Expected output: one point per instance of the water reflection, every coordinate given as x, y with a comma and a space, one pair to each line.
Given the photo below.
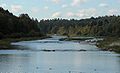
59, 62
28, 61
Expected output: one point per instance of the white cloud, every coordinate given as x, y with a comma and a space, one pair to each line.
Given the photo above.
64, 6
35, 10
70, 14
77, 2
56, 1
46, 7
84, 13
112, 11
3, 5
103, 5
16, 8
56, 14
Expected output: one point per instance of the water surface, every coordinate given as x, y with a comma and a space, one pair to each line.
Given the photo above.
32, 60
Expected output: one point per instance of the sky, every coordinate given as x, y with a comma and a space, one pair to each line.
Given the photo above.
66, 9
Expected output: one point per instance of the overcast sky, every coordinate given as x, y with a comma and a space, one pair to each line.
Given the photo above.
77, 9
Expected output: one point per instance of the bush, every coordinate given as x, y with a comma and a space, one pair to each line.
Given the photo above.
1, 35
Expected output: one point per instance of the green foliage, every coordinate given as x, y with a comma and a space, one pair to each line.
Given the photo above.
100, 26
16, 27
1, 35
110, 43
24, 26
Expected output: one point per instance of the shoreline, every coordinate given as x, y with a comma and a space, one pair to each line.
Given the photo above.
109, 44
5, 44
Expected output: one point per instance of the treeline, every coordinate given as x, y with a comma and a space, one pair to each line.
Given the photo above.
24, 26
12, 26
100, 26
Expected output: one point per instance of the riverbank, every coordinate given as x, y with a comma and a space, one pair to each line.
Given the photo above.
5, 44
105, 44
109, 44
76, 38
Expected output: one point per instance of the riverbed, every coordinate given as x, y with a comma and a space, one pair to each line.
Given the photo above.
30, 58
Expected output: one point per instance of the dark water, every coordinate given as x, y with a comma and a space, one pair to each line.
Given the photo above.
33, 60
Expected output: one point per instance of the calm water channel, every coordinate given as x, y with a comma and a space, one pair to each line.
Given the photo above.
33, 60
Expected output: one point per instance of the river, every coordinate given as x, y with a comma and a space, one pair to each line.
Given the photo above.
33, 60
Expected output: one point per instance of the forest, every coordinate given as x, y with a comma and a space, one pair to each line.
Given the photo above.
100, 26
24, 26
12, 26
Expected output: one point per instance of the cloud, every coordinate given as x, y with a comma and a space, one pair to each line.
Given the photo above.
70, 14
16, 8
64, 6
56, 1
35, 10
112, 11
56, 14
103, 5
46, 7
83, 13
3, 5
77, 2
87, 12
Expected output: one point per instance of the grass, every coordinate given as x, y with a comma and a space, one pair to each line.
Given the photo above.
102, 44
106, 44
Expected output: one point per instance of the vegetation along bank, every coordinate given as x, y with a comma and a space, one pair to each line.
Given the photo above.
16, 27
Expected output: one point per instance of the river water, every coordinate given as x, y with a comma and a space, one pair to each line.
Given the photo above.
33, 60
